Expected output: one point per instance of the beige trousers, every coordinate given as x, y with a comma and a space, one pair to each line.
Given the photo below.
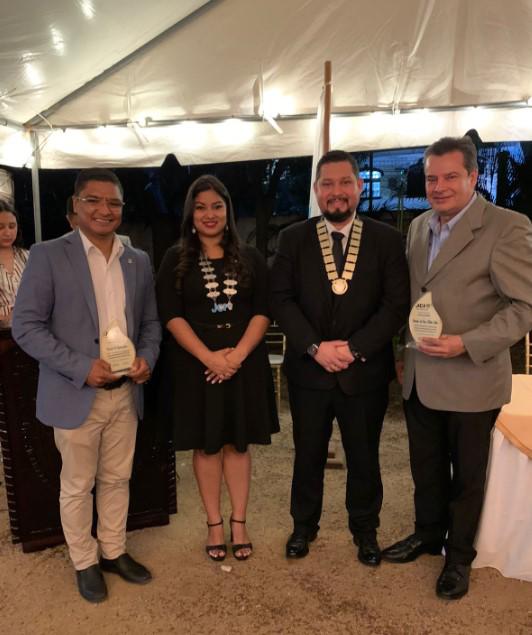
100, 450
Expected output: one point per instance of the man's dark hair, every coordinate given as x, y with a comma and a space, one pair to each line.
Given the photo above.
337, 156
454, 144
96, 174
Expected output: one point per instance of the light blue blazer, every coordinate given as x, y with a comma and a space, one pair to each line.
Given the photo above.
55, 320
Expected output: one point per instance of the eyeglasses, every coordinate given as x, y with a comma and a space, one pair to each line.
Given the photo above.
114, 204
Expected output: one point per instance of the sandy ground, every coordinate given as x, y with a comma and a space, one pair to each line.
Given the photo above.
327, 592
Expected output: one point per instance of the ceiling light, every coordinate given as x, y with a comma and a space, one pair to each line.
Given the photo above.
87, 8
57, 40
233, 131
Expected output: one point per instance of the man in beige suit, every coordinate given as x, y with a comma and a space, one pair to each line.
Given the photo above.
476, 259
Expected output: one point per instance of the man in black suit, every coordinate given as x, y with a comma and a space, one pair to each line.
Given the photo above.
340, 293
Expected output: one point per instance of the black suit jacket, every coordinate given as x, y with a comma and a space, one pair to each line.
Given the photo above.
368, 315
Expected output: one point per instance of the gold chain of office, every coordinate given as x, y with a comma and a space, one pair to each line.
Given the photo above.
340, 283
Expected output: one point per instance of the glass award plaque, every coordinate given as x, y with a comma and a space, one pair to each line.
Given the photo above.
117, 350
424, 320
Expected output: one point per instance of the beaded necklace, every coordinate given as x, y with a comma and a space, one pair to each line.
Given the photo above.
212, 285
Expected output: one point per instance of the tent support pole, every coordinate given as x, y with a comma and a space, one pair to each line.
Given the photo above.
36, 191
327, 78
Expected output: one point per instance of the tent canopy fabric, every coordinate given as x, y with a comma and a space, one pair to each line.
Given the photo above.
200, 78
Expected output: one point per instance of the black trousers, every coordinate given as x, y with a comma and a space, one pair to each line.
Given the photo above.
360, 419
449, 454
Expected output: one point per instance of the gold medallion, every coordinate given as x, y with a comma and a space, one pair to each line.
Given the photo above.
339, 286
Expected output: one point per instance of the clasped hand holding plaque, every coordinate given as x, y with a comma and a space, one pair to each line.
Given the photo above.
117, 350
424, 320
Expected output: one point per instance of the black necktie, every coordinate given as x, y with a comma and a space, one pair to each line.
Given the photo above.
338, 251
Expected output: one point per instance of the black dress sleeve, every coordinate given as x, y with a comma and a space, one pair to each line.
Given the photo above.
169, 299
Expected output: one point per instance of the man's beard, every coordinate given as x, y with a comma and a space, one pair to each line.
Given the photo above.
338, 217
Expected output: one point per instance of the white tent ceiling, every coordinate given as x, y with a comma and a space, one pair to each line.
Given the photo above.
69, 68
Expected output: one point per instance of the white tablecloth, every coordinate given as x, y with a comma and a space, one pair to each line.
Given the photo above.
504, 537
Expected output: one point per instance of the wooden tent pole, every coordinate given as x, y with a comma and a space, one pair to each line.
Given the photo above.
327, 101
334, 457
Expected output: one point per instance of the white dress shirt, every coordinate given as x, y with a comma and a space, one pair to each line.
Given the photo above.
108, 284
346, 231
439, 233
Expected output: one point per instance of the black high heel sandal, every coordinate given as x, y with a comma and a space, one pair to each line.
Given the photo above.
240, 547
211, 548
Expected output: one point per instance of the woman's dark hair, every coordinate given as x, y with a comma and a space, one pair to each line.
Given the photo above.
6, 207
189, 246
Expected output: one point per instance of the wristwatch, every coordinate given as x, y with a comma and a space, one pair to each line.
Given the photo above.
356, 354
313, 349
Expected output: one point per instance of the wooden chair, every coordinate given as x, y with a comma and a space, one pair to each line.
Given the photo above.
276, 343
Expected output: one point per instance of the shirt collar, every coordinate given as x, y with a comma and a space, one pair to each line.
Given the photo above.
346, 229
434, 220
116, 251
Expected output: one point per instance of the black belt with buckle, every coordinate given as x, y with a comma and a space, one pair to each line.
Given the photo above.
215, 327
116, 384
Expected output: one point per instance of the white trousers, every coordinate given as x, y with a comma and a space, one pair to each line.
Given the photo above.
101, 450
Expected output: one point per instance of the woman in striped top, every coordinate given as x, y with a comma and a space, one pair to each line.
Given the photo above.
12, 261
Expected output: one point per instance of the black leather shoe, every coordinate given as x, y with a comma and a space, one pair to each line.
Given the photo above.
409, 549
91, 584
453, 582
297, 545
369, 552
126, 568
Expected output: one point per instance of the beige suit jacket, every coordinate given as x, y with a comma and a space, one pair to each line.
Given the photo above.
481, 284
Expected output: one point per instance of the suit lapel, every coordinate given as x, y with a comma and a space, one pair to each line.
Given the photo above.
338, 300
129, 270
323, 293
420, 256
461, 235
78, 259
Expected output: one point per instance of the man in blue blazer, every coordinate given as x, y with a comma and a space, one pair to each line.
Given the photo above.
73, 290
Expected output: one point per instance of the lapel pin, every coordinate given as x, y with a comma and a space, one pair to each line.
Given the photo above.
129, 261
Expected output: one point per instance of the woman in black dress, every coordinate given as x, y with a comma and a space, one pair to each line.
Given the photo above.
217, 387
